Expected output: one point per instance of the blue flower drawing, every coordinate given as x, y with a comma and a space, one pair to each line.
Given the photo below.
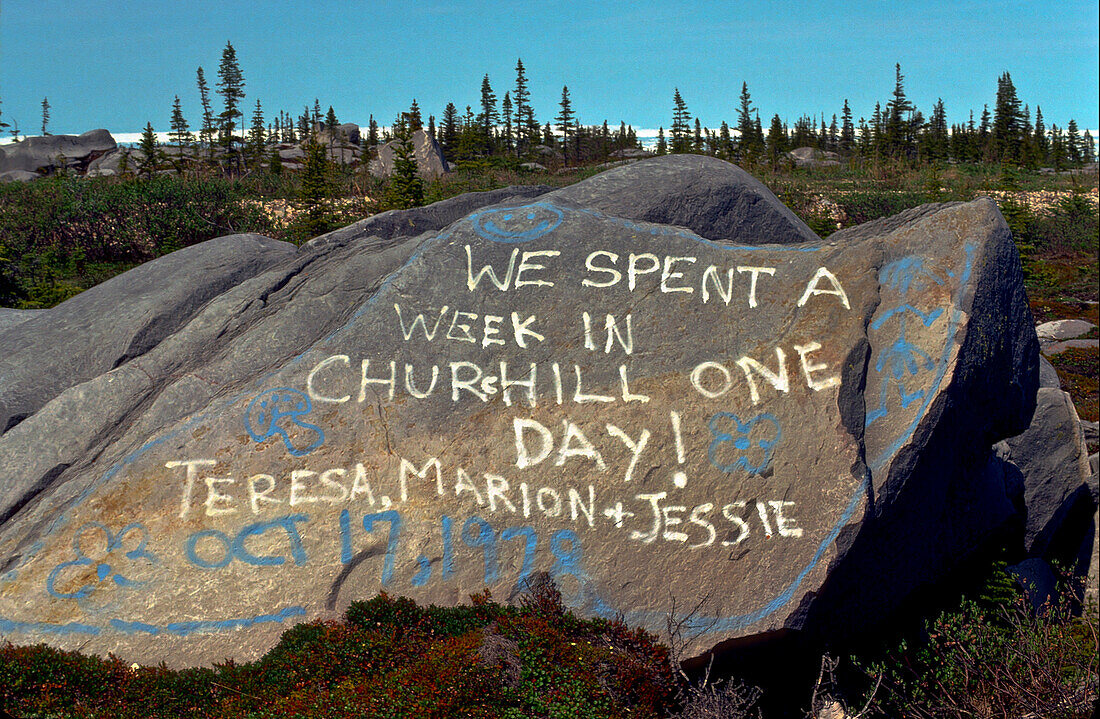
102, 558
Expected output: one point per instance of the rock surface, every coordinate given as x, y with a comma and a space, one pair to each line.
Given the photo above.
10, 318
116, 321
712, 198
45, 154
813, 157
1063, 330
660, 416
1053, 459
430, 162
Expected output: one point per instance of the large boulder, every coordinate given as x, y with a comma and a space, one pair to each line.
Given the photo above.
50, 152
658, 419
430, 162
10, 318
712, 198
1053, 460
387, 227
117, 321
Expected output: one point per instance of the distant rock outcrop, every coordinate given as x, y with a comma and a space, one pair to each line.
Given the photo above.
43, 155
813, 157
430, 162
658, 386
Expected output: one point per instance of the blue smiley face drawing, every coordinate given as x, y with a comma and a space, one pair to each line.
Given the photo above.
518, 224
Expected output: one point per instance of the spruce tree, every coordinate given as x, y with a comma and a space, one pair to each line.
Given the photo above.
449, 134
776, 142
150, 151
256, 140
413, 119
984, 143
1039, 136
897, 136
231, 88
181, 133
1073, 144
1089, 148
697, 140
507, 138
1007, 122
936, 138
406, 189
746, 149
372, 132
488, 117
315, 182
1057, 148
331, 123
206, 130
662, 146
565, 122
725, 142
524, 114
680, 124
847, 130
45, 115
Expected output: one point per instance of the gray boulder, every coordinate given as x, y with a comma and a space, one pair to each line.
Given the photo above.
1053, 460
113, 323
18, 176
349, 132
813, 157
45, 154
10, 318
712, 198
291, 153
109, 163
387, 228
1048, 376
657, 419
631, 153
430, 162
1063, 330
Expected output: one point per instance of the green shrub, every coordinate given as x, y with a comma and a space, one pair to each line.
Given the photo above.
59, 233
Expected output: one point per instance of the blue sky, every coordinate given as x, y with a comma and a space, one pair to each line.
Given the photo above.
118, 64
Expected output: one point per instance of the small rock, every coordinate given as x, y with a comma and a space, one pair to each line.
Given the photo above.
1063, 330
1059, 347
18, 176
1048, 376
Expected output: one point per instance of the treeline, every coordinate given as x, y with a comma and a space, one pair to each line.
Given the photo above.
508, 131
897, 132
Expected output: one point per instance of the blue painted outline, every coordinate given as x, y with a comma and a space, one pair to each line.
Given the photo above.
488, 230
274, 429
743, 428
601, 609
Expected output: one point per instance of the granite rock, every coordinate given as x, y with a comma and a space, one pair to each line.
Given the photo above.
716, 410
